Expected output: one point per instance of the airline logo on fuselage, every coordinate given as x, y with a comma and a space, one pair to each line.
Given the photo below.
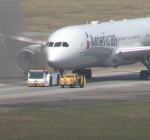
88, 43
102, 41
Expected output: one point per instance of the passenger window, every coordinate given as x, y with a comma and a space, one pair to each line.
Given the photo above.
65, 44
51, 44
57, 44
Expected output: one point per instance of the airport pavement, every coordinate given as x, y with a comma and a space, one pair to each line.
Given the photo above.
116, 87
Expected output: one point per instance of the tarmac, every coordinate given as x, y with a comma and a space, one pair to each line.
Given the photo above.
108, 85
103, 88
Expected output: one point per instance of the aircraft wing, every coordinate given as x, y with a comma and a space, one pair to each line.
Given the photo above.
24, 39
133, 52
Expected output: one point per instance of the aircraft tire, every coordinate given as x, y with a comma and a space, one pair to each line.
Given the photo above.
62, 86
78, 71
144, 74
88, 73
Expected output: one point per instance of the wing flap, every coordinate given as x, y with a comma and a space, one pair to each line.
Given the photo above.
134, 52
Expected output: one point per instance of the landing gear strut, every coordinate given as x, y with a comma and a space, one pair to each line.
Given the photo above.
144, 74
86, 72
61, 72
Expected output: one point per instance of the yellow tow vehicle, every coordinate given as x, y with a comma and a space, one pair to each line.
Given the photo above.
73, 80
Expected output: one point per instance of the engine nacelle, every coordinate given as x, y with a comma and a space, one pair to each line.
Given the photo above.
32, 57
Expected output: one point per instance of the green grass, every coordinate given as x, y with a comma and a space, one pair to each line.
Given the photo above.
116, 121
50, 15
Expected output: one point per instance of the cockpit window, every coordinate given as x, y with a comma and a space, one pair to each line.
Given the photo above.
57, 44
65, 44
51, 44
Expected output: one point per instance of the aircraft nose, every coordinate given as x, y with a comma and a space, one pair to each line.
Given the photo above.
53, 59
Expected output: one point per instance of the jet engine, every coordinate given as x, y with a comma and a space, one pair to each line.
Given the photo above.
32, 57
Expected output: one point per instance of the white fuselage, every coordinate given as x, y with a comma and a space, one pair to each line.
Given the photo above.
95, 45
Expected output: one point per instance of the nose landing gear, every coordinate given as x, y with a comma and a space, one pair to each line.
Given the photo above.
61, 72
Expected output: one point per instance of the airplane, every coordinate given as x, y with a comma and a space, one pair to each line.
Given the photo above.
81, 47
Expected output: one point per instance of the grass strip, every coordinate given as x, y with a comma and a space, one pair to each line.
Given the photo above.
130, 120
50, 15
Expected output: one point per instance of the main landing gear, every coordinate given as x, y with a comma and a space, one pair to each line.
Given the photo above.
86, 72
144, 74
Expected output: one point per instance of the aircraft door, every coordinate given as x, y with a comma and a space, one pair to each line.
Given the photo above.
81, 44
